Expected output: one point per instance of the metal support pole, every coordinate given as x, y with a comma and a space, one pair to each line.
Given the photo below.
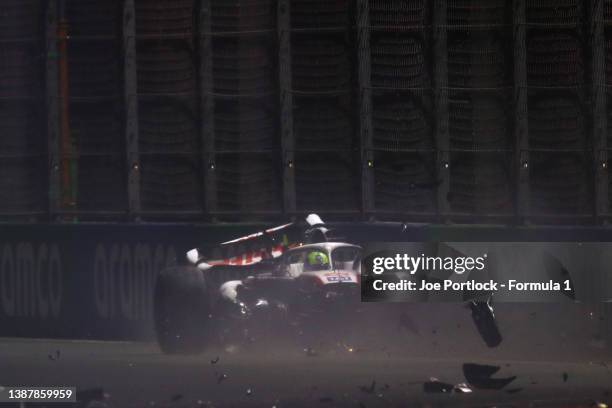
522, 163
68, 166
207, 105
441, 106
365, 110
52, 107
600, 119
286, 106
131, 108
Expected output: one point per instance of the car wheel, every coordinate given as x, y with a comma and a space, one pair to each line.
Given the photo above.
181, 308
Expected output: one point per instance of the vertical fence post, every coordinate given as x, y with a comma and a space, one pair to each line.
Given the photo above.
600, 119
207, 106
521, 125
286, 106
131, 109
365, 107
52, 108
441, 106
600, 141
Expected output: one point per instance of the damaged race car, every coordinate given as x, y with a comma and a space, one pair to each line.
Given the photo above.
294, 279
297, 275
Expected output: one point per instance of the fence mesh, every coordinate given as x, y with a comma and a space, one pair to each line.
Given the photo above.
408, 84
23, 147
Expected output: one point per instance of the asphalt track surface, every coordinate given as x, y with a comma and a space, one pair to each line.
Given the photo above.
130, 374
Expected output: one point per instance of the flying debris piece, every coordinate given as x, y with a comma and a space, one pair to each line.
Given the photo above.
479, 376
565, 377
370, 389
249, 392
484, 319
462, 388
348, 347
215, 361
436, 386
221, 378
558, 273
471, 370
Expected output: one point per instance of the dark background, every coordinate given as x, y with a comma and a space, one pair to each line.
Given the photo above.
133, 130
128, 113
472, 111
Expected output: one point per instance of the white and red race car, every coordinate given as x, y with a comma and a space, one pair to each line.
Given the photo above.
286, 278
294, 275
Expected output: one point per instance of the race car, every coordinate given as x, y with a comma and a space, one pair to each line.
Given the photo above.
293, 275
290, 280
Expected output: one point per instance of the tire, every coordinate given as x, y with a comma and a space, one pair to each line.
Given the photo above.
181, 308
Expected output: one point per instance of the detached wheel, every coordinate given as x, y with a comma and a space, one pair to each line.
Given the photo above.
181, 306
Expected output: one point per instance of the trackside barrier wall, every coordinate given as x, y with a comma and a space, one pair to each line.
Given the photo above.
96, 280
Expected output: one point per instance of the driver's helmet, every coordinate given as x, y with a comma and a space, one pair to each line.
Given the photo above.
317, 259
